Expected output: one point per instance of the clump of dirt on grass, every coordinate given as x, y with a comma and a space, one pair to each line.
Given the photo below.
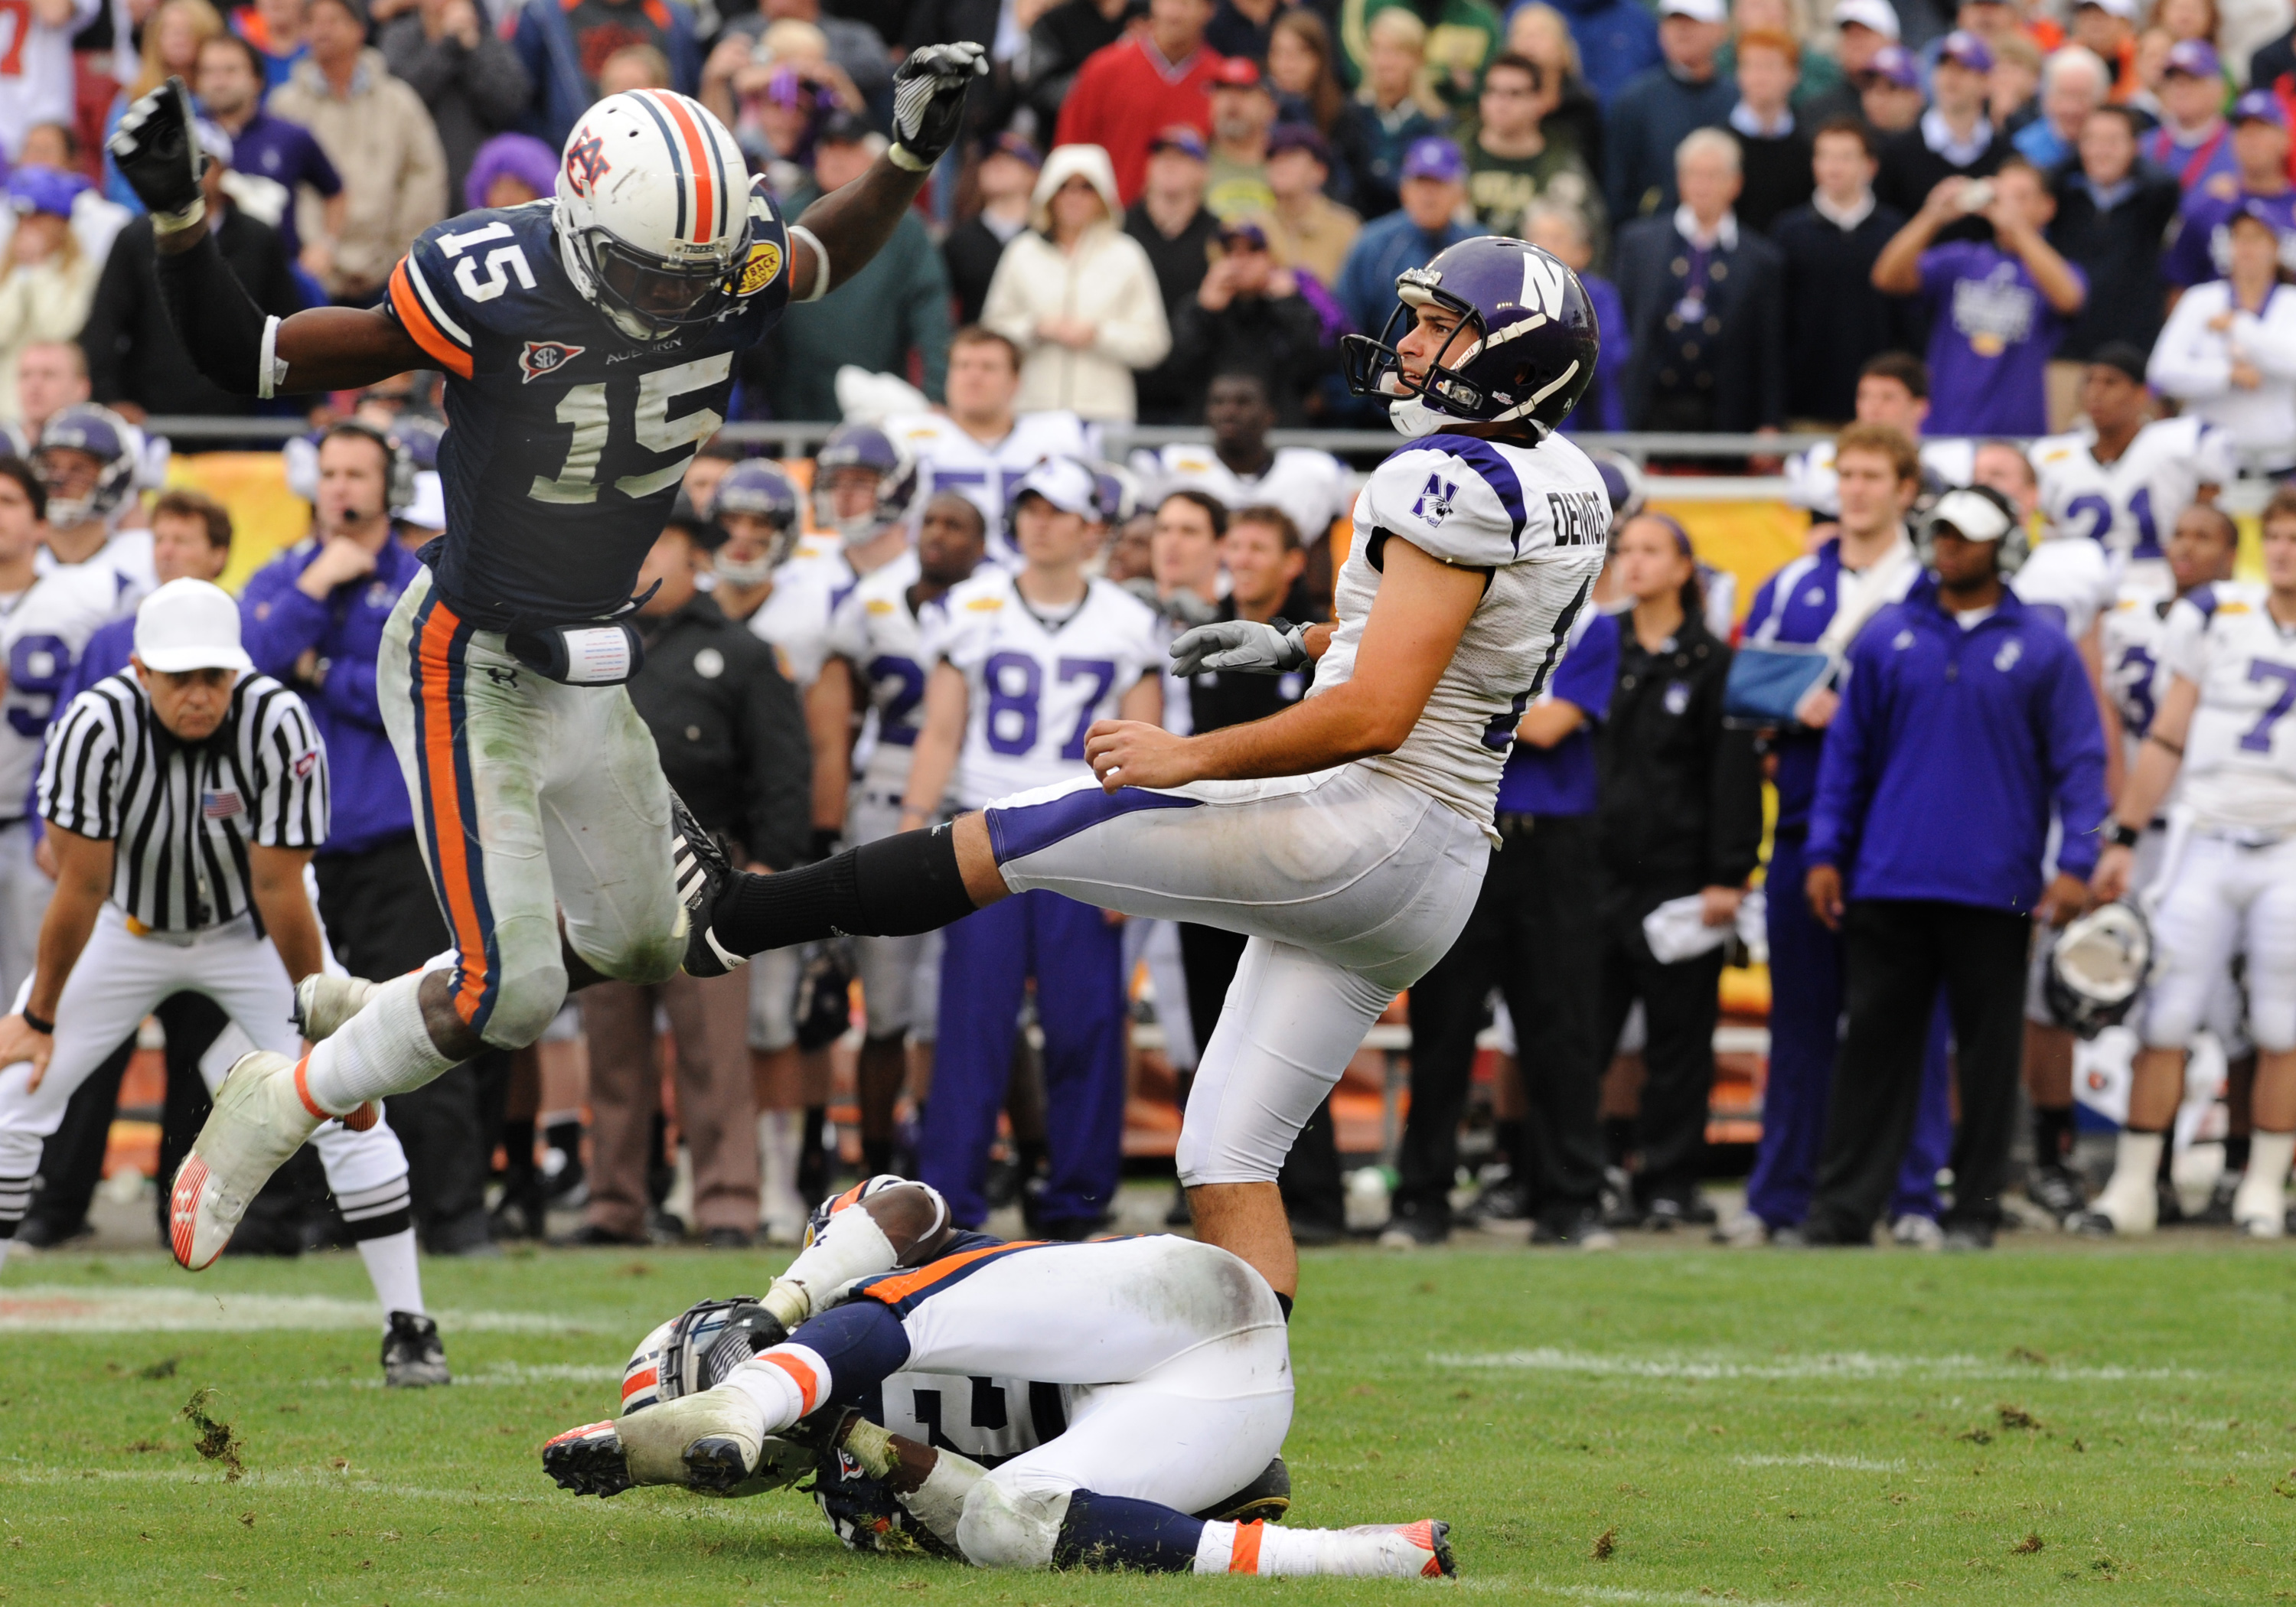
2017, 1417
1605, 1543
217, 1442
2027, 1546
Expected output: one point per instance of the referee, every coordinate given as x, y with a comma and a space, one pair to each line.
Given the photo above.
183, 798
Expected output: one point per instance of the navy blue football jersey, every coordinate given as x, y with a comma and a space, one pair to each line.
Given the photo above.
566, 439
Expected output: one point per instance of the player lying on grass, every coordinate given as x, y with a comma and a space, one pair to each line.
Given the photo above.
1174, 1391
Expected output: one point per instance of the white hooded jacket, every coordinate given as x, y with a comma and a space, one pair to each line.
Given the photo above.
1106, 280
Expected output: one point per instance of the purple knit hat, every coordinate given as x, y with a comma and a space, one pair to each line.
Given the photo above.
521, 157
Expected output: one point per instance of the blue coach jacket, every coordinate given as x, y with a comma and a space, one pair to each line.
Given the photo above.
367, 791
1951, 748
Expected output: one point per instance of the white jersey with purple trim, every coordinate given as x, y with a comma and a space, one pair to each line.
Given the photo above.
2130, 640
2131, 504
1811, 482
948, 459
1313, 486
1540, 519
43, 630
125, 561
793, 619
875, 630
2239, 771
2069, 575
1038, 680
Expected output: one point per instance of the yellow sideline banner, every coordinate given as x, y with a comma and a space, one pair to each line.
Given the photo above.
265, 514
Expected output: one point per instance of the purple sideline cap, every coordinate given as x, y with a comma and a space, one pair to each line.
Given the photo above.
1016, 146
1895, 63
2194, 58
1965, 49
1183, 139
2259, 106
44, 190
1435, 157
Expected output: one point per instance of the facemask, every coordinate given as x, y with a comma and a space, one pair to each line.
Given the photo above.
746, 571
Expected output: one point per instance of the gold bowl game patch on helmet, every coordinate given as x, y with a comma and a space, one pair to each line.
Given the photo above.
765, 261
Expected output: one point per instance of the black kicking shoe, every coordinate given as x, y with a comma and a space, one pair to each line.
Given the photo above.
589, 1460
1264, 1500
2057, 1190
702, 872
412, 1358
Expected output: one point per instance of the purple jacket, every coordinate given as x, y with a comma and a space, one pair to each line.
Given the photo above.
280, 624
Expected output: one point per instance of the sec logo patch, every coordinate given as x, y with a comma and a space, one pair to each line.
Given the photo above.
545, 357
765, 262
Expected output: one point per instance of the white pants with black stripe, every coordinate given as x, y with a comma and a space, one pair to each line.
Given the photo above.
1350, 884
119, 979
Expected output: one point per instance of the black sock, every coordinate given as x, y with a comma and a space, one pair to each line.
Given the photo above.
2237, 1152
813, 1163
1509, 1138
518, 1153
2052, 1134
892, 887
1284, 1301
876, 1157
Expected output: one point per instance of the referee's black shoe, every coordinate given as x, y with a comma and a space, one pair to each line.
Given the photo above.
412, 1358
702, 872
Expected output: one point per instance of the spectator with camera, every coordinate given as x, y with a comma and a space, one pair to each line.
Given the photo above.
1955, 138
1967, 721
1249, 311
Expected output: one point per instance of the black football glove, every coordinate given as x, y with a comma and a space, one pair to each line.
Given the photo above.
160, 157
929, 101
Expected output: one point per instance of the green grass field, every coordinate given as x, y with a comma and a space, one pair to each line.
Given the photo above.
1659, 1425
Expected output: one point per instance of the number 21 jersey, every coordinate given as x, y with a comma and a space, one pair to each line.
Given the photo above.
567, 437
1036, 681
2240, 755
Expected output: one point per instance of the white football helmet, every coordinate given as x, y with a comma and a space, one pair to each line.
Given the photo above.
655, 213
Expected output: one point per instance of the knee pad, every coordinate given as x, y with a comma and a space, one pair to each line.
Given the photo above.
524, 1006
646, 960
2173, 1008
1004, 1528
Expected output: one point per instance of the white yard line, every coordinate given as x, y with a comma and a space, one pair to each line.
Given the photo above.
1852, 1464
63, 1308
1847, 1365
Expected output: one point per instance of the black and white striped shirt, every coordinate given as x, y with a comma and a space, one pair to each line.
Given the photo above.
184, 814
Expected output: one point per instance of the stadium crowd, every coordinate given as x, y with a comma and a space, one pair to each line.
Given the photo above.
2025, 262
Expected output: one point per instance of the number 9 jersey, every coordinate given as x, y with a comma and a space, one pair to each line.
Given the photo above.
568, 437
2239, 771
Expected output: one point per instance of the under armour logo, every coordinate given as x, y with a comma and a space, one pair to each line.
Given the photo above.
1434, 504
502, 677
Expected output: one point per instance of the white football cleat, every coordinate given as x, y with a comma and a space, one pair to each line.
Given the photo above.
260, 1119
324, 1003
712, 1441
2260, 1208
1420, 1551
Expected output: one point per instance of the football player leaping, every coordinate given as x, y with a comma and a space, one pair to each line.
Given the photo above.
1167, 1361
1346, 836
588, 343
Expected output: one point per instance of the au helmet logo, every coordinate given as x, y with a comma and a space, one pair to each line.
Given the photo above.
586, 164
545, 357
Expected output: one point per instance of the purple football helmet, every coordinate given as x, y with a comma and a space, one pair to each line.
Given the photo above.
863, 446
1524, 350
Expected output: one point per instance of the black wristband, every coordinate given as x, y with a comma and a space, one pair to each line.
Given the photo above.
39, 1024
2123, 836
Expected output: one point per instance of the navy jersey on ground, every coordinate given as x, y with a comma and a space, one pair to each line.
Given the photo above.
567, 438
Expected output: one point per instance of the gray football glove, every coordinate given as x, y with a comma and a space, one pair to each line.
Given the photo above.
929, 101
160, 157
1239, 644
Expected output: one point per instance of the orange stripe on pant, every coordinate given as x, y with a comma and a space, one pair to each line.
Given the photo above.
893, 1291
449, 833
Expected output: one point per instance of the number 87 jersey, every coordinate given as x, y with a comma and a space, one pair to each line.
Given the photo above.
569, 437
2239, 771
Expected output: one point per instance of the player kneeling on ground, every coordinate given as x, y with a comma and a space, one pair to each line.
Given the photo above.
1164, 1364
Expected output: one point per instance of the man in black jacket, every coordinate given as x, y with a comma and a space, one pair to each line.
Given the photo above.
733, 745
1704, 317
1177, 230
134, 355
1841, 321
1249, 314
2111, 210
1955, 138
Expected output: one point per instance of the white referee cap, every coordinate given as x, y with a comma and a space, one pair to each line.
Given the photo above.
190, 625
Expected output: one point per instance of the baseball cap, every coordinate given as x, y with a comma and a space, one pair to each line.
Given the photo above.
1965, 49
190, 625
1235, 72
1249, 236
1435, 157
1016, 146
1895, 63
1183, 139
844, 128
2122, 357
1978, 513
1299, 136
2194, 58
2259, 106
1697, 11
44, 190
2124, 9
1064, 482
1879, 15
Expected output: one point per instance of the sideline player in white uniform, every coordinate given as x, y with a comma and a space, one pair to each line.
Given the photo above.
879, 633
90, 458
184, 798
979, 446
1346, 837
2122, 481
589, 344
45, 621
1238, 470
2223, 734
1173, 1354
1894, 389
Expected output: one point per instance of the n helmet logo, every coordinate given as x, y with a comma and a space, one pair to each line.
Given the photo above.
586, 164
1434, 504
1543, 279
